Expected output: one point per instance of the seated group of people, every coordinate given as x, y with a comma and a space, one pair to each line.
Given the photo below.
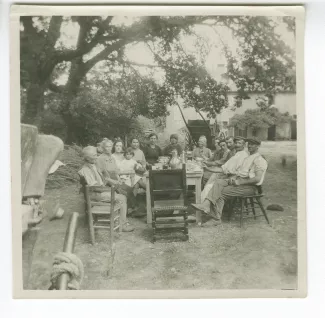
109, 164
231, 171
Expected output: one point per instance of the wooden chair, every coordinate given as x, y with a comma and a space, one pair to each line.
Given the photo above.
169, 201
247, 204
101, 214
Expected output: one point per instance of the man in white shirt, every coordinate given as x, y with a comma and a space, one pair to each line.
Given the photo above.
230, 168
234, 163
249, 175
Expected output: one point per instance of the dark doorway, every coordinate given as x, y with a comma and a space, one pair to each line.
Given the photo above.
271, 133
293, 130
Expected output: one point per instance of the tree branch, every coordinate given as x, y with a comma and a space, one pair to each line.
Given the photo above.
28, 25
53, 33
56, 88
141, 65
102, 55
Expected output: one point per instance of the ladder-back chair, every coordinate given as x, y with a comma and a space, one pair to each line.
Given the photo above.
247, 204
101, 214
169, 201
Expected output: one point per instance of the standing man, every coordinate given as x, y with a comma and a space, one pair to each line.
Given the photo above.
249, 175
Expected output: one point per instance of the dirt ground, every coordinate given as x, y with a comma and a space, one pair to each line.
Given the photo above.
256, 256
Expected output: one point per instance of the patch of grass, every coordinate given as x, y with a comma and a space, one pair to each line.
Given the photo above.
255, 256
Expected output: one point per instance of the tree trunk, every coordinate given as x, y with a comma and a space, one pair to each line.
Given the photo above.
71, 130
34, 105
70, 91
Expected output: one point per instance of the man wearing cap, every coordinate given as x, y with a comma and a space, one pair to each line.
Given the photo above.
249, 175
228, 169
173, 145
100, 193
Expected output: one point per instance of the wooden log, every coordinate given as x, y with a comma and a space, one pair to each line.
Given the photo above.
28, 138
48, 149
68, 246
28, 243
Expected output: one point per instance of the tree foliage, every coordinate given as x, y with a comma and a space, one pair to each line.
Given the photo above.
259, 118
110, 107
93, 100
264, 62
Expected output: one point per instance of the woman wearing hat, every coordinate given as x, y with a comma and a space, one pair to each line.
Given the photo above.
173, 145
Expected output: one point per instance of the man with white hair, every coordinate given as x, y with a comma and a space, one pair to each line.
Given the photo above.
93, 178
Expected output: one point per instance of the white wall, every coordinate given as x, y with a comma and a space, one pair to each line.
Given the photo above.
285, 102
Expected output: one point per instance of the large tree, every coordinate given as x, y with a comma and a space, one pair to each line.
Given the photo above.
262, 52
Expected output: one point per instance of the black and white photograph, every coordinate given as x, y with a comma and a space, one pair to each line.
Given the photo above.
158, 150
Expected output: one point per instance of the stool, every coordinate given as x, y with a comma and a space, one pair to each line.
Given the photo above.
247, 204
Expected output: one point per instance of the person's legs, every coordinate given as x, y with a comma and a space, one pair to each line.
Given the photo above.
128, 192
142, 184
122, 201
229, 192
206, 177
214, 195
208, 186
211, 198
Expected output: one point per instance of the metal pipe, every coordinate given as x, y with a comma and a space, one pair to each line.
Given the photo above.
189, 132
68, 246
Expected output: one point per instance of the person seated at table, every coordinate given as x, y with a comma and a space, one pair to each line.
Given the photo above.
202, 151
129, 165
139, 156
108, 165
231, 145
229, 168
95, 179
152, 152
219, 158
249, 175
173, 145
216, 145
118, 152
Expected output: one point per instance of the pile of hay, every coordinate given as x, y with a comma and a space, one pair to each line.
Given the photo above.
68, 174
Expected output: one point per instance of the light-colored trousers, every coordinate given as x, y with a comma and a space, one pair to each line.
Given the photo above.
121, 199
212, 179
221, 191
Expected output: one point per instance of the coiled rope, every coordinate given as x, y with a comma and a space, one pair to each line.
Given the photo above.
67, 263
